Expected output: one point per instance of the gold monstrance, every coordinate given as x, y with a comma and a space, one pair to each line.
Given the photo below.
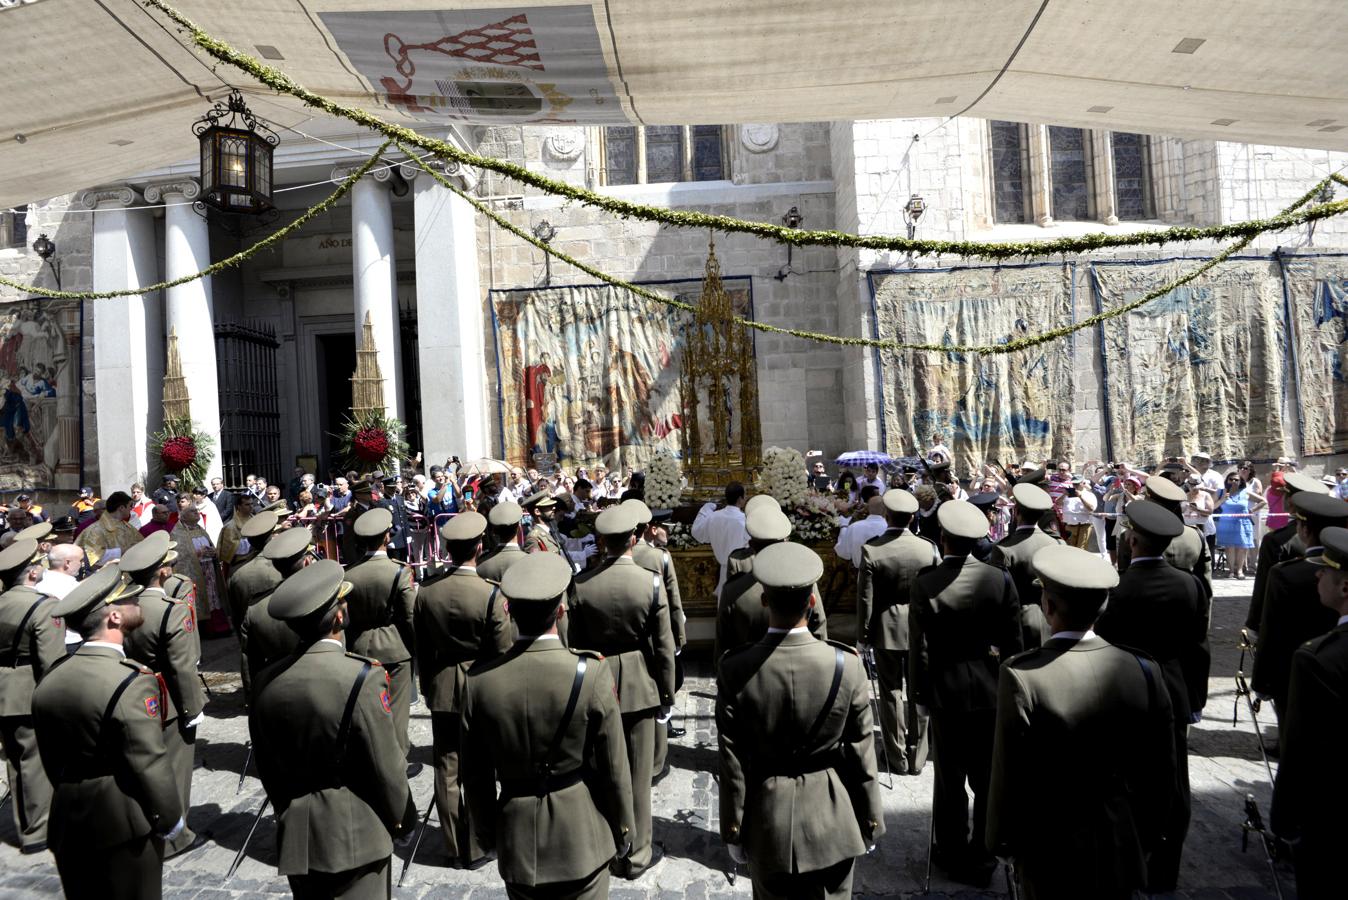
367, 384
719, 381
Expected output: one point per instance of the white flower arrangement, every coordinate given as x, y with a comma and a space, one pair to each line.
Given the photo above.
784, 476
681, 536
664, 482
808, 529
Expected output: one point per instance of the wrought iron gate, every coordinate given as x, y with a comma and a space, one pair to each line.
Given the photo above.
250, 419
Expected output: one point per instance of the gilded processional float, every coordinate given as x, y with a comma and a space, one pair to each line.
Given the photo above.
722, 442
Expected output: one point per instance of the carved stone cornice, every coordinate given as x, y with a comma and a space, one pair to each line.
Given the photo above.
187, 188
110, 196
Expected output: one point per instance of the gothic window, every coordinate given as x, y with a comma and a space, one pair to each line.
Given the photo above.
654, 154
1132, 177
14, 227
1010, 172
1070, 173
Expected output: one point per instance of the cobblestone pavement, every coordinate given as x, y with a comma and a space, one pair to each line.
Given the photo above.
1224, 766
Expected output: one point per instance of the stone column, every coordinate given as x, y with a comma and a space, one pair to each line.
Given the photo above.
128, 338
374, 278
1102, 164
454, 410
188, 308
1041, 200
68, 450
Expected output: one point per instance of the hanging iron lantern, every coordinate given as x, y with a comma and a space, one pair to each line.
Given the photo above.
236, 164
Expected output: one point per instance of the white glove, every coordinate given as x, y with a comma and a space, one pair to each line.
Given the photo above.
666, 713
201, 717
176, 830
737, 854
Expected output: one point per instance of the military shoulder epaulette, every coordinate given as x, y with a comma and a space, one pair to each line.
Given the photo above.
139, 667
1024, 654
365, 659
438, 573
592, 654
740, 649
1328, 639
841, 646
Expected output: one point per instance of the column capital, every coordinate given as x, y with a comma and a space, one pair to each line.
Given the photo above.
409, 169
466, 176
187, 188
345, 170
110, 196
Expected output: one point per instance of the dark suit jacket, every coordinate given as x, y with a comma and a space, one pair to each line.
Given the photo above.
1276, 547
1015, 552
963, 620
1162, 611
224, 501
1084, 714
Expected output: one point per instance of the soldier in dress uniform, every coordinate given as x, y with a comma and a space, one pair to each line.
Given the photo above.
1162, 611
1015, 553
1293, 613
1310, 793
460, 620
543, 537
799, 796
383, 594
1279, 546
890, 562
362, 501
742, 560
256, 577
987, 505
620, 610
657, 560
1094, 722
30, 644
1189, 551
327, 752
42, 533
263, 637
963, 619
504, 524
544, 721
741, 617
170, 646
97, 716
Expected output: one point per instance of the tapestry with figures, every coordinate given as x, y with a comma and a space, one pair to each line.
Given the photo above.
1200, 368
39, 368
1002, 407
1317, 288
590, 374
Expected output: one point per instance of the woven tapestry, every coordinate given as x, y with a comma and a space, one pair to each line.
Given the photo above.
40, 373
1007, 407
1317, 287
591, 374
1200, 367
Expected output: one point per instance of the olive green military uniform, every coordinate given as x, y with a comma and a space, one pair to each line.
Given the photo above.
540, 539
381, 601
890, 562
1311, 793
263, 637
1163, 612
493, 566
350, 548
963, 619
1189, 551
1276, 547
30, 644
657, 560
169, 645
741, 617
322, 727
620, 611
1096, 720
1014, 553
554, 835
249, 583
1292, 614
460, 620
738, 562
97, 716
799, 793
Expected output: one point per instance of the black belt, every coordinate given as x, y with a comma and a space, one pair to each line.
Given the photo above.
541, 785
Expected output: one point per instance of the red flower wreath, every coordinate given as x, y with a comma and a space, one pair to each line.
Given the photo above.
371, 444
178, 453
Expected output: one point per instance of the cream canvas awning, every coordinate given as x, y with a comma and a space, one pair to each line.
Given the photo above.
97, 90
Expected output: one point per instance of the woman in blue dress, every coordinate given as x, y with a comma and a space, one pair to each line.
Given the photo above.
1236, 505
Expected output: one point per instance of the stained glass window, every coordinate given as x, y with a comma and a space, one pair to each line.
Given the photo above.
707, 164
1132, 181
1069, 167
620, 155
1009, 172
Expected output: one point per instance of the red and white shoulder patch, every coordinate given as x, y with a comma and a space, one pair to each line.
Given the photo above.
152, 707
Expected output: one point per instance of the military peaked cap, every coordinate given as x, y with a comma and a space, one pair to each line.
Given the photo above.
538, 578
1075, 569
312, 589
151, 553
107, 585
959, 518
466, 526
374, 522
900, 500
503, 514
787, 566
1153, 519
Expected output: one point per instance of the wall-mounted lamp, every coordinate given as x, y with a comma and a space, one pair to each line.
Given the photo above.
912, 211
545, 232
792, 219
45, 247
